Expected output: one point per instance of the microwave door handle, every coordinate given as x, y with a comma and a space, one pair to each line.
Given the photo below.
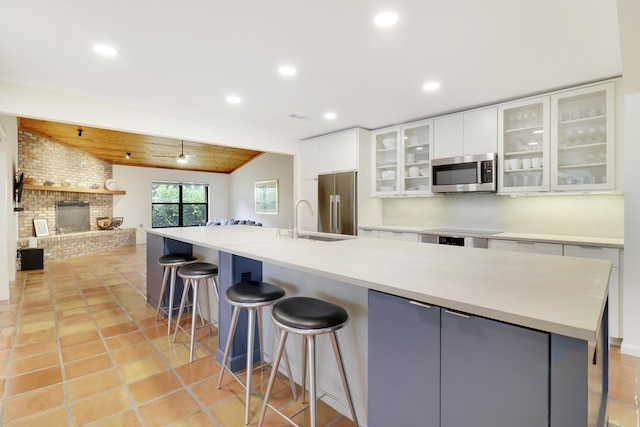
479, 170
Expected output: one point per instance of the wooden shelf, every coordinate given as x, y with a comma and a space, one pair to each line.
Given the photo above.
71, 189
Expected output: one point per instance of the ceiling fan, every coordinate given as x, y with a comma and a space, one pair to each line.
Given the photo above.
182, 158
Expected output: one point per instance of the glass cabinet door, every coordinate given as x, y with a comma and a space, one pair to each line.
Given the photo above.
386, 149
415, 158
523, 146
583, 144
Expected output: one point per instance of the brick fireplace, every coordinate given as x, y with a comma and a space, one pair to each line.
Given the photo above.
44, 159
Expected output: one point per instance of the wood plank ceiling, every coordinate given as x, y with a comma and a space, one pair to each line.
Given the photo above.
146, 151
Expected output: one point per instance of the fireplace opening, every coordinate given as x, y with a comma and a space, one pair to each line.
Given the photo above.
72, 217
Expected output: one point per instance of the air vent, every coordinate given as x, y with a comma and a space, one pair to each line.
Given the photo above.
298, 116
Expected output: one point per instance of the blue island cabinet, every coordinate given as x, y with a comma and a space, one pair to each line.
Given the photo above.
492, 373
432, 367
404, 362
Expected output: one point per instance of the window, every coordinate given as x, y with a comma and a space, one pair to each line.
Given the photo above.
176, 204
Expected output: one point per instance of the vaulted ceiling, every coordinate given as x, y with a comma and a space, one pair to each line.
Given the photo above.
144, 150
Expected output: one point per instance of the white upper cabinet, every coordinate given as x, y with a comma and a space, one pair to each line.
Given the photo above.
561, 142
309, 159
448, 136
415, 158
481, 131
523, 146
583, 139
473, 132
329, 153
386, 156
401, 160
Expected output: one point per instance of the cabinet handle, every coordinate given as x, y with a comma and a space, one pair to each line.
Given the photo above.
526, 243
420, 304
457, 313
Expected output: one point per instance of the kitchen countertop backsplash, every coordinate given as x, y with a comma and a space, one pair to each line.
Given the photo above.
558, 218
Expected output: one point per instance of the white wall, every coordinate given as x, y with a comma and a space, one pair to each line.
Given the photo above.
135, 206
5, 197
630, 294
265, 167
8, 219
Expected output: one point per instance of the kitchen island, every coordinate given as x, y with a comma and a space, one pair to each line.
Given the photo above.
561, 298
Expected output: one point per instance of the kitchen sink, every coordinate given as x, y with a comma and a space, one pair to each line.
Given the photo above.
320, 238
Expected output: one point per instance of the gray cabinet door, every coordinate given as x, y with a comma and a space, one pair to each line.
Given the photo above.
404, 363
493, 373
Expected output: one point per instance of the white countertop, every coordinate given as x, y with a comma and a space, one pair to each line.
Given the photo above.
563, 295
611, 242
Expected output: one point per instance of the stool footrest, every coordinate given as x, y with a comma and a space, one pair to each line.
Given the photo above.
208, 325
175, 308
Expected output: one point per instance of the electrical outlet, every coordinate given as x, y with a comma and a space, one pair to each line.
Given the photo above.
245, 277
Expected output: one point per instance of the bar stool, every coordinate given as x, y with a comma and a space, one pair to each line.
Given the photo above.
196, 274
252, 295
170, 263
308, 317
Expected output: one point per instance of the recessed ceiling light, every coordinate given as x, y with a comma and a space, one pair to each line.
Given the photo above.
431, 86
386, 19
287, 70
330, 115
105, 50
233, 99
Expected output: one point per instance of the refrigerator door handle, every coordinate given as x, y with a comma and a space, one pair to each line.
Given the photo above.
337, 214
331, 212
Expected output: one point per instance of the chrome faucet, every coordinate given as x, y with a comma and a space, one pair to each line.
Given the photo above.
295, 216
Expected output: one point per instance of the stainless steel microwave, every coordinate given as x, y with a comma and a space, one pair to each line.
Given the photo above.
464, 174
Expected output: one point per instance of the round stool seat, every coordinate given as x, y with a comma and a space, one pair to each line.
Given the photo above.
254, 292
198, 269
176, 259
309, 313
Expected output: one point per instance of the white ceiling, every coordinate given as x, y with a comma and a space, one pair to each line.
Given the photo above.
184, 57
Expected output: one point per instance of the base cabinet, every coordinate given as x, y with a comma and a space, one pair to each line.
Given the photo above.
492, 373
404, 362
429, 367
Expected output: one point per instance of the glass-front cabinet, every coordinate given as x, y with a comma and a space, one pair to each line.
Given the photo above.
401, 158
523, 146
560, 142
416, 158
583, 147
386, 153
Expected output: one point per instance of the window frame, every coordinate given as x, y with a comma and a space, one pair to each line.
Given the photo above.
181, 204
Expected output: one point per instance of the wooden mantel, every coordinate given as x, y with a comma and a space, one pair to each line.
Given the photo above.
71, 189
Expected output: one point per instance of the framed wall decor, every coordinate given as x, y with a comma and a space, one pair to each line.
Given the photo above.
266, 197
41, 227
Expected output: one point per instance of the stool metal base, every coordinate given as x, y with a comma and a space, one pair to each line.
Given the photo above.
254, 311
195, 281
170, 269
309, 344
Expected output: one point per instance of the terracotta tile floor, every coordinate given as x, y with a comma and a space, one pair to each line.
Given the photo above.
80, 346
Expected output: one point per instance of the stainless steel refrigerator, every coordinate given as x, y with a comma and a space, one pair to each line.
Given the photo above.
337, 203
